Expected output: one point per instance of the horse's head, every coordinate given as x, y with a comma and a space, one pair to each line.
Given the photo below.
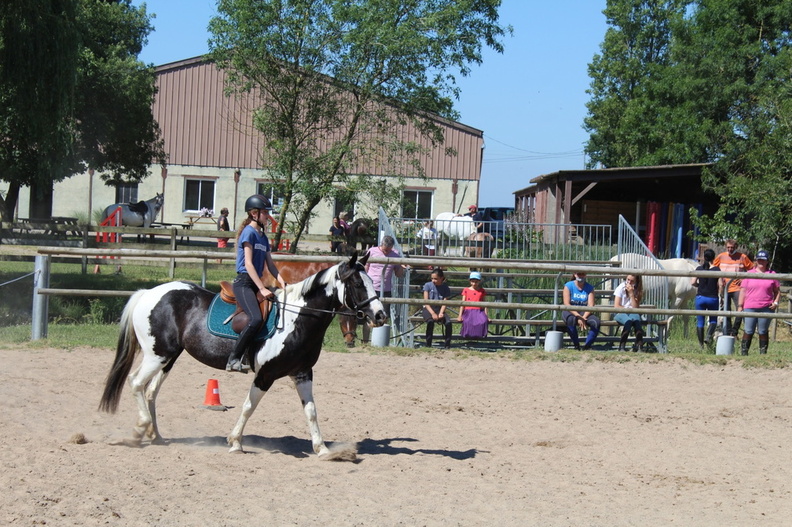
357, 291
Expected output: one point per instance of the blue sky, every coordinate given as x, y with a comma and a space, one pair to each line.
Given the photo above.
529, 101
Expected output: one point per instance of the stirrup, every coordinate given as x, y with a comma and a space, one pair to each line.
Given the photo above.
237, 365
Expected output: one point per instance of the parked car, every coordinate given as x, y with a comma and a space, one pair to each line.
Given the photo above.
496, 219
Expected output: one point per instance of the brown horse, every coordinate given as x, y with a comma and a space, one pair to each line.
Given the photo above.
362, 231
293, 272
481, 246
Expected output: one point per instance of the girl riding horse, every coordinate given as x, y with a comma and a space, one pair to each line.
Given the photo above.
253, 253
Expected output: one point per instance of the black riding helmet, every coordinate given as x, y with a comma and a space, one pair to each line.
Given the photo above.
257, 201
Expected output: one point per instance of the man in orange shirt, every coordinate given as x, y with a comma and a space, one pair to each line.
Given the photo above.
732, 261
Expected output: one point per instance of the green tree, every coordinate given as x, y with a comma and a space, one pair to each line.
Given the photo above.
38, 60
87, 102
717, 90
626, 82
337, 77
741, 52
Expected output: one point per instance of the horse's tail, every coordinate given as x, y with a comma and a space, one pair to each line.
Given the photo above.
126, 351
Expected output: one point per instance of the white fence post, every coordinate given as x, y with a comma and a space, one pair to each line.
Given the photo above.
41, 280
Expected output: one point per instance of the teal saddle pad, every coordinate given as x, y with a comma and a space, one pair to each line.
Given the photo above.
219, 312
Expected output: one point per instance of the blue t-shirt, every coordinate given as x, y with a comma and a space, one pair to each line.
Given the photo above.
261, 247
576, 296
437, 292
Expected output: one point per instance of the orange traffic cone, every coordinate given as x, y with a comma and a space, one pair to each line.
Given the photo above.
212, 398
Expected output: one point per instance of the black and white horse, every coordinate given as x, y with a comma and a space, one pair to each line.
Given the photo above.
170, 318
139, 214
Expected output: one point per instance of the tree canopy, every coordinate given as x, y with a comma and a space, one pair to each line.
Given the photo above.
73, 94
337, 77
702, 81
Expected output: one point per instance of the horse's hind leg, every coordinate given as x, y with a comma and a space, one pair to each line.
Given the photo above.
304, 386
151, 397
138, 383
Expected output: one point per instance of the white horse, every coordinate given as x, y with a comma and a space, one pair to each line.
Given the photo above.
456, 228
680, 290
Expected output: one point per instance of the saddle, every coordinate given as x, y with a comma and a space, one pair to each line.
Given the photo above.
141, 207
239, 319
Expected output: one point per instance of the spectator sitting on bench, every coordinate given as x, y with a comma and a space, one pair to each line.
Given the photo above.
628, 296
578, 292
437, 289
475, 322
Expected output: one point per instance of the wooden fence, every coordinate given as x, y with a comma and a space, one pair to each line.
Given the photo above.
559, 269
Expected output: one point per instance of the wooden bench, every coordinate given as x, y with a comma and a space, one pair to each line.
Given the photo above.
537, 339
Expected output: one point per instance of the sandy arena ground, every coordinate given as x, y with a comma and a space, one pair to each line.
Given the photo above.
441, 441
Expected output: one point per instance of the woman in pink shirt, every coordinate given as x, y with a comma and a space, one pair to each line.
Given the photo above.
758, 296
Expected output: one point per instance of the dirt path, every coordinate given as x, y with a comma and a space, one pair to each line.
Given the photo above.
441, 441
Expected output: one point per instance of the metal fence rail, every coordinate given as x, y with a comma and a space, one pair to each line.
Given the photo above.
504, 239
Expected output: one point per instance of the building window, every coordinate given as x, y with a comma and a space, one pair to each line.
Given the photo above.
126, 193
199, 194
417, 204
275, 195
345, 202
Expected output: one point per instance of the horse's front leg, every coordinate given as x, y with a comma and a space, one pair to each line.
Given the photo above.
304, 386
253, 398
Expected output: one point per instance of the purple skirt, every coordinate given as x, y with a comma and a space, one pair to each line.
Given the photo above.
474, 324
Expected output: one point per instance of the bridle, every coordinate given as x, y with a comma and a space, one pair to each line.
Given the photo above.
356, 308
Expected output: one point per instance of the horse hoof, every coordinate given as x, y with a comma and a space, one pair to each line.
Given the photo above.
236, 450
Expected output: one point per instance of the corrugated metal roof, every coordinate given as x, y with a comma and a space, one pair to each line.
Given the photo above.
201, 126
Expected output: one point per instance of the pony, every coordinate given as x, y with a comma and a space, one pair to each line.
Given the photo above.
140, 214
481, 245
361, 231
296, 271
168, 319
680, 291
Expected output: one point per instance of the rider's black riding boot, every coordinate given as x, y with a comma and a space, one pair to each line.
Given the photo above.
238, 361
700, 335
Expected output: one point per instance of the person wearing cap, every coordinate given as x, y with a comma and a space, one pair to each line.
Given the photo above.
732, 261
758, 296
474, 319
578, 292
253, 254
477, 217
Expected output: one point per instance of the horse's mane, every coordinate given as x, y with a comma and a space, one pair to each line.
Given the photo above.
306, 287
